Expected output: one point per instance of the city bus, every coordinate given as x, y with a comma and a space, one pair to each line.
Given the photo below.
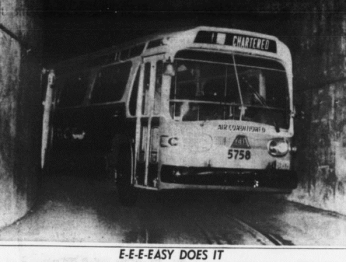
201, 108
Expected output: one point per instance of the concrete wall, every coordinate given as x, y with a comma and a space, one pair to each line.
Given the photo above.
321, 161
320, 83
19, 107
315, 31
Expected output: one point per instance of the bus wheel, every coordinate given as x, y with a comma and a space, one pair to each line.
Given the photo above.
126, 191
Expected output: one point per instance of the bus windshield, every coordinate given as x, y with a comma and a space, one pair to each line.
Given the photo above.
215, 86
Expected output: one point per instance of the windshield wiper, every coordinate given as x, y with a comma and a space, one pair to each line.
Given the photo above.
258, 96
263, 102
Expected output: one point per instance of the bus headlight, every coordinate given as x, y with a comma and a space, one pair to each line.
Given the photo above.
278, 147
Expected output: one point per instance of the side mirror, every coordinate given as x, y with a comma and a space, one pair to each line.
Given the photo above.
169, 69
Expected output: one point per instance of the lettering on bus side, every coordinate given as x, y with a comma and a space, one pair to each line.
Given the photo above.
241, 128
166, 141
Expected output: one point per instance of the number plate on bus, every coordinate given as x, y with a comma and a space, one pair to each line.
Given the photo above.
281, 164
239, 154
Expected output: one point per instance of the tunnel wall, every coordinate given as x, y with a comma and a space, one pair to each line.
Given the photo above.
321, 139
20, 109
320, 92
315, 32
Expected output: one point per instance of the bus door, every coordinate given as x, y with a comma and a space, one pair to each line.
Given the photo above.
147, 122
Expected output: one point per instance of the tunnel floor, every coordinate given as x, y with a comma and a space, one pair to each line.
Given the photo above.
78, 209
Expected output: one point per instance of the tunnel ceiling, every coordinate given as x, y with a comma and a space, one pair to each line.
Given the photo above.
74, 27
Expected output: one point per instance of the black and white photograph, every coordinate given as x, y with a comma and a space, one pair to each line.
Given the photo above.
172, 130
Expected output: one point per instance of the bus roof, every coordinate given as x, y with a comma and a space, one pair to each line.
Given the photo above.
201, 35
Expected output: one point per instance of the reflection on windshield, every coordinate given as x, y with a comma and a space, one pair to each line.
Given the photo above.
240, 88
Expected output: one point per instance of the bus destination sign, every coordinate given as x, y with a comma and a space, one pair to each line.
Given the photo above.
237, 40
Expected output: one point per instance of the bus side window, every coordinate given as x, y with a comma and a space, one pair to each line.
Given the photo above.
110, 83
133, 98
73, 90
158, 83
146, 87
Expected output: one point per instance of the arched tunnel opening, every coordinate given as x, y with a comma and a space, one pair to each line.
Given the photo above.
38, 35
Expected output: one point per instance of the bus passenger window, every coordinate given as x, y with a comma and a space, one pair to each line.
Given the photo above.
158, 83
110, 83
186, 81
133, 98
146, 87
74, 90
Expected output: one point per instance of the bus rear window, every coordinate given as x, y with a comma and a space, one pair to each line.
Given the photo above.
110, 83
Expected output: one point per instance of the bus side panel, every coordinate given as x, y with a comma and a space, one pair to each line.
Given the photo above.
83, 136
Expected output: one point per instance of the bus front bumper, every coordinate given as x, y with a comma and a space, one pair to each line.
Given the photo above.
268, 180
